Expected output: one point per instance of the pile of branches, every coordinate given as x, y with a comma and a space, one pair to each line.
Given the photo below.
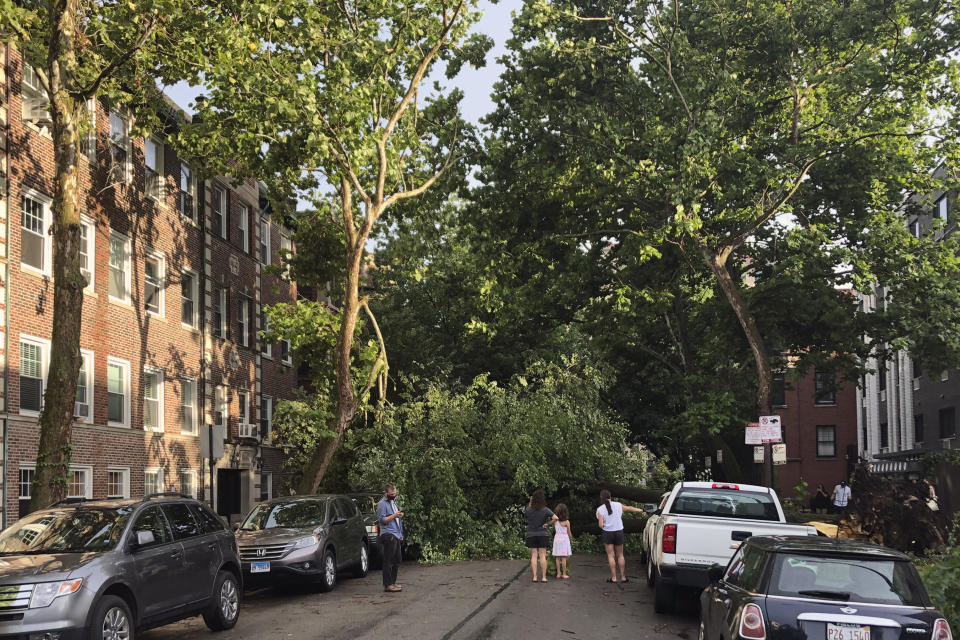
893, 511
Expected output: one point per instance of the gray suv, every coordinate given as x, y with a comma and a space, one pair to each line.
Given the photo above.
104, 570
303, 539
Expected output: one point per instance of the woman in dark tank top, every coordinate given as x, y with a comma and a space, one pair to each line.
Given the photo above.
538, 517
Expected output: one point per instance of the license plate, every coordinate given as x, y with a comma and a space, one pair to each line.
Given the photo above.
264, 567
847, 632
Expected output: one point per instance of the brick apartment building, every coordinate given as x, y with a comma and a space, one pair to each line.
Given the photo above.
170, 319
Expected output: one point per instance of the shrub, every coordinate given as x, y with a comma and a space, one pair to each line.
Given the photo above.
943, 583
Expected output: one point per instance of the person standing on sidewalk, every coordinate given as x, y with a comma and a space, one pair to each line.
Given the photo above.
391, 535
539, 517
841, 497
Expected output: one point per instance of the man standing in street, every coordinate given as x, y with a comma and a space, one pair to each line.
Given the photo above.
391, 534
841, 497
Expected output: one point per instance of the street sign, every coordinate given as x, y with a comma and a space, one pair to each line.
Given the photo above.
779, 454
758, 454
753, 434
219, 435
770, 428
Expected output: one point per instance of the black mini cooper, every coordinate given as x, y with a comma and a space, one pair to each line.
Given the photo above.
815, 588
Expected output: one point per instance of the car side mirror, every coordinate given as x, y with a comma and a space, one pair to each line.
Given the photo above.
715, 572
144, 539
649, 509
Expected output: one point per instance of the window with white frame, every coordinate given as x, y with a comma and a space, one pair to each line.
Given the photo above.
153, 168
118, 392
153, 283
118, 482
286, 252
83, 403
915, 228
221, 311
219, 211
89, 144
34, 359
244, 324
119, 286
265, 241
188, 406
35, 243
243, 399
826, 441
152, 399
220, 406
942, 207
80, 482
188, 298
25, 488
266, 347
36, 106
243, 224
186, 201
87, 250
266, 486
120, 147
285, 356
266, 416
188, 483
152, 480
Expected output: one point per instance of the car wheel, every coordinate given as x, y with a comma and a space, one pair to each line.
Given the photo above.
364, 565
111, 620
328, 571
651, 578
663, 598
224, 608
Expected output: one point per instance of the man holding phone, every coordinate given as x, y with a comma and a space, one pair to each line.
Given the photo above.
391, 535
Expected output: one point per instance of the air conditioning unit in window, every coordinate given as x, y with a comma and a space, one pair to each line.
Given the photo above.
249, 431
81, 410
38, 111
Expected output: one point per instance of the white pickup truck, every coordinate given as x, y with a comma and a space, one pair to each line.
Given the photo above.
702, 523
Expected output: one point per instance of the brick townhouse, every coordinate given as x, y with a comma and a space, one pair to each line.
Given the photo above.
170, 319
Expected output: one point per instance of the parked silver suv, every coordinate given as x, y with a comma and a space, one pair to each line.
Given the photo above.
107, 569
303, 538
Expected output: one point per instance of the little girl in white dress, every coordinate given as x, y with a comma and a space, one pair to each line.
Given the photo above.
561, 541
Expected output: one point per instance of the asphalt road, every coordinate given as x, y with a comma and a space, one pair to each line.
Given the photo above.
482, 600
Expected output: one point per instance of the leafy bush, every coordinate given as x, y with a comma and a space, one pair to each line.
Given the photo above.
943, 583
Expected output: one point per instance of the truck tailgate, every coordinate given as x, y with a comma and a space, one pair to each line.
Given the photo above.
703, 540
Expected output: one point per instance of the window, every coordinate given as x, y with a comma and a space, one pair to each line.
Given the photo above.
188, 406
153, 283
243, 399
34, 354
188, 483
83, 405
884, 436
36, 106
87, 252
152, 480
266, 486
265, 241
286, 251
244, 321
219, 207
285, 356
207, 518
119, 148
79, 482
150, 519
942, 207
826, 441
824, 390
35, 244
266, 347
918, 427
948, 427
182, 522
778, 394
243, 224
915, 228
220, 406
118, 482
266, 416
153, 168
186, 201
118, 392
26, 489
152, 399
221, 310
188, 298
119, 288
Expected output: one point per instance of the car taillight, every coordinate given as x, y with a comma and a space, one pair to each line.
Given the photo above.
717, 485
941, 630
751, 623
669, 544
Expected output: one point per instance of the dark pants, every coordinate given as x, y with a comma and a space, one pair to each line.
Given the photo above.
390, 557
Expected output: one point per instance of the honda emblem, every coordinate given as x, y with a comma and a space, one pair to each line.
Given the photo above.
261, 553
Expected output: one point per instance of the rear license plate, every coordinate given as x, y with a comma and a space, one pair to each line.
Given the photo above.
847, 632
264, 567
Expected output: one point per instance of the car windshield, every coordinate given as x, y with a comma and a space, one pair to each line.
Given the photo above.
75, 530
725, 503
297, 514
848, 578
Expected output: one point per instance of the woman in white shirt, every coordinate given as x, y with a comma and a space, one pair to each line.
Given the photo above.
610, 519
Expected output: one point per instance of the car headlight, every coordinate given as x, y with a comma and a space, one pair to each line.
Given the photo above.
302, 543
46, 592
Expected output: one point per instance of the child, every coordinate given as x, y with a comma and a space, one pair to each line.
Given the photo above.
561, 541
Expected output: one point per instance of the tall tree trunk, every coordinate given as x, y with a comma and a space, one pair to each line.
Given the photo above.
56, 418
717, 261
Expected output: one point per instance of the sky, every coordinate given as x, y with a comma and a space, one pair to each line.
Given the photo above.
477, 84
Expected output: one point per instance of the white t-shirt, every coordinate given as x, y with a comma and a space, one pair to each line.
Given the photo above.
842, 495
611, 521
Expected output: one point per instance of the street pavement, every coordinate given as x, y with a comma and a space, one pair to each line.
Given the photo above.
479, 600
